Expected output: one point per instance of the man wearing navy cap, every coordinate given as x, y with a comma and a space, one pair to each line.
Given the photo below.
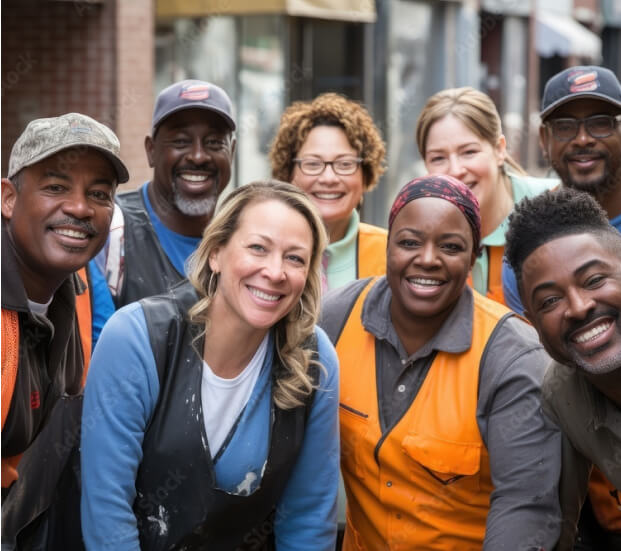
156, 227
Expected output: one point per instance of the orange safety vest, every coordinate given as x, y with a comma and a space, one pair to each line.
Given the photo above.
371, 251
10, 361
427, 483
605, 501
494, 274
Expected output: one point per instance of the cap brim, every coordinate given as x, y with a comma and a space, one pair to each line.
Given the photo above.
122, 174
227, 118
584, 95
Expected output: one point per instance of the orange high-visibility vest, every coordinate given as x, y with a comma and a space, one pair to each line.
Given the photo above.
371, 251
10, 362
494, 274
427, 483
605, 501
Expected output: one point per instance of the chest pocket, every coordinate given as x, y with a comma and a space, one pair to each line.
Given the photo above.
448, 463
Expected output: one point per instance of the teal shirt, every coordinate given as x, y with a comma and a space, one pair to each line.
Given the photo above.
342, 255
523, 186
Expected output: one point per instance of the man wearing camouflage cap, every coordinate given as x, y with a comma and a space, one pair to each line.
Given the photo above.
57, 205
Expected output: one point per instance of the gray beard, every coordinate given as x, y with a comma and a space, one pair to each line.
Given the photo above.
194, 207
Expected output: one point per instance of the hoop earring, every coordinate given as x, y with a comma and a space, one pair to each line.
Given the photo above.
212, 286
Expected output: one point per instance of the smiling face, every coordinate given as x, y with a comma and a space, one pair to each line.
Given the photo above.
191, 155
428, 259
584, 163
452, 148
571, 288
336, 196
263, 267
60, 214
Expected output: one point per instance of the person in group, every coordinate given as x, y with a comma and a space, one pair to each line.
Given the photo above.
459, 133
580, 135
567, 259
330, 148
205, 409
157, 227
57, 204
443, 443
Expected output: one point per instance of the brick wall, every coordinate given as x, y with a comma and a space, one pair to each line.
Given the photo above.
61, 56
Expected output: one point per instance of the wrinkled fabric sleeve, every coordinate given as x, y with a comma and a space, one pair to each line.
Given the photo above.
306, 513
121, 392
524, 446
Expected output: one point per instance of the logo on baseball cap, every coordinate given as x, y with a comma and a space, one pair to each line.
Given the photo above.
580, 82
188, 94
43, 138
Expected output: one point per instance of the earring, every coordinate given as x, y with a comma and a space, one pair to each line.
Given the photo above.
212, 286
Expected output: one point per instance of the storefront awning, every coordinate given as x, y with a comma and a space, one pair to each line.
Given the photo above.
362, 11
563, 36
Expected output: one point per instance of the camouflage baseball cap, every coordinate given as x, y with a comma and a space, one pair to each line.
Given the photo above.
46, 137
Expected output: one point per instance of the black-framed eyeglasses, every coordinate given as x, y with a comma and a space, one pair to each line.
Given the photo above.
598, 126
343, 167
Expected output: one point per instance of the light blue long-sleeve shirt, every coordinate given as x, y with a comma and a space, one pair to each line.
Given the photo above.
121, 393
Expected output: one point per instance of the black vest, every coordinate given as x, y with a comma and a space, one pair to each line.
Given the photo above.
148, 271
177, 505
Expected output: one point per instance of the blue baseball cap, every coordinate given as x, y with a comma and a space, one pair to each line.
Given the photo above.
588, 81
192, 94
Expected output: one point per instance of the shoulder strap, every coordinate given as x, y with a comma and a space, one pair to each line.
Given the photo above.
363, 286
84, 317
10, 358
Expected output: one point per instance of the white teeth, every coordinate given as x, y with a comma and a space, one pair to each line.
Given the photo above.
264, 296
327, 196
421, 281
71, 233
592, 333
194, 177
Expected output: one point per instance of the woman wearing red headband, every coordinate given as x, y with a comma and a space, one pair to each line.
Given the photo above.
443, 443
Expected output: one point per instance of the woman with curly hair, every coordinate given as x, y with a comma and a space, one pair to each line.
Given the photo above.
459, 133
330, 148
205, 408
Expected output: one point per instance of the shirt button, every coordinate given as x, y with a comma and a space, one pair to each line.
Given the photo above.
401, 388
403, 362
389, 483
398, 515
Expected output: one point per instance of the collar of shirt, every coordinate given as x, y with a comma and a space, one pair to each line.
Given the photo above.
338, 250
455, 335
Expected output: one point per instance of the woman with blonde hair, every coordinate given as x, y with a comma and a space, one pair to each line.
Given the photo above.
459, 133
205, 408
330, 148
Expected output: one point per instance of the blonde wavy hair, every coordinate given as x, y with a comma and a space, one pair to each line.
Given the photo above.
472, 107
328, 110
291, 332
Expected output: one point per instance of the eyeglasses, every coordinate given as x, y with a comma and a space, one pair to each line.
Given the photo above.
342, 167
598, 126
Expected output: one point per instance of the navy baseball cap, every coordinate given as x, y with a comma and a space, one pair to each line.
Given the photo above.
191, 94
588, 81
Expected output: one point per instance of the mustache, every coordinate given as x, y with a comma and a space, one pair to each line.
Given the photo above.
205, 167
587, 152
83, 225
591, 317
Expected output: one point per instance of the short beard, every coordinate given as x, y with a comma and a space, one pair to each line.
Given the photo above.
602, 367
193, 207
596, 188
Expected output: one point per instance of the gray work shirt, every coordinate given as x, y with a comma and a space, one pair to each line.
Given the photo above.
524, 446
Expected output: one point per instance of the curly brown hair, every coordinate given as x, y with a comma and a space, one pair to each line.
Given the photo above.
330, 110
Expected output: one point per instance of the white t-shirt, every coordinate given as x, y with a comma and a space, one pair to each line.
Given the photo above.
224, 399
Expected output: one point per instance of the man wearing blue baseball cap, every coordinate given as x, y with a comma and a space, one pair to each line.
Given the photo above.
155, 228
